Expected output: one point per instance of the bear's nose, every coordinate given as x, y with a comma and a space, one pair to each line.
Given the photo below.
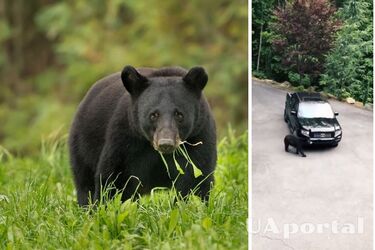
166, 145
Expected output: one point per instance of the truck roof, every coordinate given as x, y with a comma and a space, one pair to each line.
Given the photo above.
308, 96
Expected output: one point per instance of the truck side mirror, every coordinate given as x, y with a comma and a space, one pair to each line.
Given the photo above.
336, 113
293, 112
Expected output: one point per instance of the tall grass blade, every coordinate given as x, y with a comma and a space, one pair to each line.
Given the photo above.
165, 163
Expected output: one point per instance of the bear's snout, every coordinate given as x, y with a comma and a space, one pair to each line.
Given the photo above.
166, 145
166, 141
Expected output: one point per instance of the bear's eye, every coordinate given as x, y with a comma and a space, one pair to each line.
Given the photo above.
179, 116
154, 116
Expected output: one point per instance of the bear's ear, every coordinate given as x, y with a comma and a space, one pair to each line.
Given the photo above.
196, 79
134, 82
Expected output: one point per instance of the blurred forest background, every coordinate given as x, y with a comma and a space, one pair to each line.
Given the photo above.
321, 45
53, 51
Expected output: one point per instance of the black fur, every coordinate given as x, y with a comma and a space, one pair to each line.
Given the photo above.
295, 142
126, 116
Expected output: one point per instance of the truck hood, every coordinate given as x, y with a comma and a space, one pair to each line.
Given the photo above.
319, 124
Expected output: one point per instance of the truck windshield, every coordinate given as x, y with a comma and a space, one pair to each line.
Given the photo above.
315, 110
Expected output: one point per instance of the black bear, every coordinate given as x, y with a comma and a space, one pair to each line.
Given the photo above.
127, 119
295, 142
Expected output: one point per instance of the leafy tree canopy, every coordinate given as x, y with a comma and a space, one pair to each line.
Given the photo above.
349, 65
303, 34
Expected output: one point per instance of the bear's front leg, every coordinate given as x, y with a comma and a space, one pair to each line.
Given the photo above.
187, 183
200, 186
109, 172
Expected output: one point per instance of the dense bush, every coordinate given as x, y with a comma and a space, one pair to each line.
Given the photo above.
299, 80
259, 74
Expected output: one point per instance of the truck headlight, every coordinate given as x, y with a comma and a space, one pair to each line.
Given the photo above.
305, 132
338, 132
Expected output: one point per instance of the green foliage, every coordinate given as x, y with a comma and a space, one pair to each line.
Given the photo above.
38, 208
299, 89
294, 78
305, 81
302, 39
262, 16
259, 74
303, 34
299, 80
86, 40
349, 66
30, 119
261, 11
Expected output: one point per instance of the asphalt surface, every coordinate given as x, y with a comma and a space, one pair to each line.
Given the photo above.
330, 188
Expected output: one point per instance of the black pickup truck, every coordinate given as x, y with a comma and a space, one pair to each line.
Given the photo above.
311, 117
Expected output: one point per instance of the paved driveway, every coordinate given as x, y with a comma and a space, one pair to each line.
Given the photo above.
330, 189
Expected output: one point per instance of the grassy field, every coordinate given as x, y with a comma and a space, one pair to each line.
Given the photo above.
38, 208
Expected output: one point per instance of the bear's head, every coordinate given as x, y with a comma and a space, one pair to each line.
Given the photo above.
166, 108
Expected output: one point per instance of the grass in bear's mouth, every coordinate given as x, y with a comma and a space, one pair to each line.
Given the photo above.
181, 149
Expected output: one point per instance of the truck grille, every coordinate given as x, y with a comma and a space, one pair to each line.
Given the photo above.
322, 134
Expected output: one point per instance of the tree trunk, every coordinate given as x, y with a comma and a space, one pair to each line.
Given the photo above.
260, 45
298, 69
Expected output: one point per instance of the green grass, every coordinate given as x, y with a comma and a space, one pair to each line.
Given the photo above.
38, 208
